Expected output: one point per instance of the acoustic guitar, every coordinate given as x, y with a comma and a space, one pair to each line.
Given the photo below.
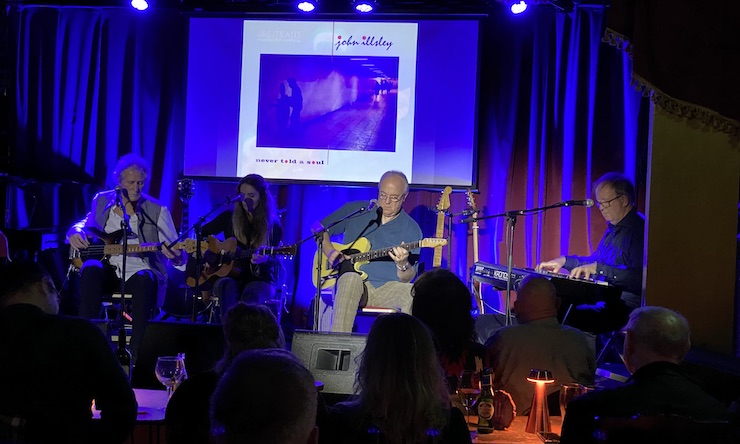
219, 257
105, 245
360, 254
474, 227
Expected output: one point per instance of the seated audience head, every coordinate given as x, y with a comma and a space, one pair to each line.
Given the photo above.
265, 397
26, 282
535, 299
655, 334
443, 303
249, 327
400, 381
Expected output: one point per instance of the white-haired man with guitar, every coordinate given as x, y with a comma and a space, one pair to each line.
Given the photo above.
150, 222
384, 278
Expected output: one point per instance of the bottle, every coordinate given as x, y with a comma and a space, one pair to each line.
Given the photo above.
485, 404
122, 353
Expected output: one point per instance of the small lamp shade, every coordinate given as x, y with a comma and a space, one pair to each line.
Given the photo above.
539, 416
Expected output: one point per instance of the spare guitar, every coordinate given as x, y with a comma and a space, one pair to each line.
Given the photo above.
111, 246
219, 257
360, 254
474, 227
442, 206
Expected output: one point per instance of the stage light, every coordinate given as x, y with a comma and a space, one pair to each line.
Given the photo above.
518, 8
141, 5
364, 6
306, 5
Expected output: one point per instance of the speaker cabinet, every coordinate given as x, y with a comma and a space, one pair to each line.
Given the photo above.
332, 358
203, 345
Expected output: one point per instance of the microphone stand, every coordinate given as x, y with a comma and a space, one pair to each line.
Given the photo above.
511, 220
126, 227
197, 227
319, 237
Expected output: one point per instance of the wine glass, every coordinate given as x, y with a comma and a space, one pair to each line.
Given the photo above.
168, 370
569, 392
468, 390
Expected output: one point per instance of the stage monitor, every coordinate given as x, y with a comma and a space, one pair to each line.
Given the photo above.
332, 101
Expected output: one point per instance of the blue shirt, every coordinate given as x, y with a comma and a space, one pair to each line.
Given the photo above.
619, 254
368, 225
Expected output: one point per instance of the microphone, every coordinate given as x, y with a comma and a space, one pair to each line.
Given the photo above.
119, 193
235, 199
576, 203
250, 204
373, 203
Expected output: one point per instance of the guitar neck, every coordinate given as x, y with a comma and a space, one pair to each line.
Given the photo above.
382, 252
475, 239
439, 233
115, 249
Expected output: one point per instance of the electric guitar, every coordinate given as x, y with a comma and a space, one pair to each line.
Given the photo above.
442, 206
111, 246
360, 254
474, 227
219, 257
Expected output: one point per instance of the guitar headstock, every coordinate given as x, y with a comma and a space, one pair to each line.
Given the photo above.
470, 197
431, 242
444, 199
185, 189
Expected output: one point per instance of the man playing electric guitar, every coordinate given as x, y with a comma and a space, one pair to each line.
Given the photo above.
389, 277
151, 222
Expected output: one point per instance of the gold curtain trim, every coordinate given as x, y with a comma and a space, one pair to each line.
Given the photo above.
668, 103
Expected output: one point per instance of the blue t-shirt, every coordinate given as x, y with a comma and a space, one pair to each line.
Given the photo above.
368, 225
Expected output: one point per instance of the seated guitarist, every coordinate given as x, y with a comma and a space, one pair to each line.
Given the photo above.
151, 222
389, 278
254, 223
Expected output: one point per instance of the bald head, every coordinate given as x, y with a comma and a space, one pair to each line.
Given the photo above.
536, 299
656, 334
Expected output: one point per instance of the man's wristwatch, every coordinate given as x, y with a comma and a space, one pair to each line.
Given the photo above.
404, 268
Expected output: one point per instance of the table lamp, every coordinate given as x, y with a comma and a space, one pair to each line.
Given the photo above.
539, 416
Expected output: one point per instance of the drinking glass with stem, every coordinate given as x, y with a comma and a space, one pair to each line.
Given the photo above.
168, 370
468, 390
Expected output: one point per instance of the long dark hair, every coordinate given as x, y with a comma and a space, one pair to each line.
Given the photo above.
254, 231
400, 382
443, 302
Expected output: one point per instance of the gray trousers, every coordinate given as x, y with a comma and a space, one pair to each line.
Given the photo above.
352, 293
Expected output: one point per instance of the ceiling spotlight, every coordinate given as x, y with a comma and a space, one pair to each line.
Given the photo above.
518, 8
140, 5
364, 6
306, 5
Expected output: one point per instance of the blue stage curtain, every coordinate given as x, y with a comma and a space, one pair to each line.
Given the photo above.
556, 112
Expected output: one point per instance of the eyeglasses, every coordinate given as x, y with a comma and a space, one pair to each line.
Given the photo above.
608, 203
393, 198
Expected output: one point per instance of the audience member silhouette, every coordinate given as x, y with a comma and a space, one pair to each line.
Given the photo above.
52, 367
246, 327
539, 341
443, 303
265, 397
402, 395
656, 341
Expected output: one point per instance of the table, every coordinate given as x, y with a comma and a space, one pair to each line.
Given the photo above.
514, 434
149, 426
